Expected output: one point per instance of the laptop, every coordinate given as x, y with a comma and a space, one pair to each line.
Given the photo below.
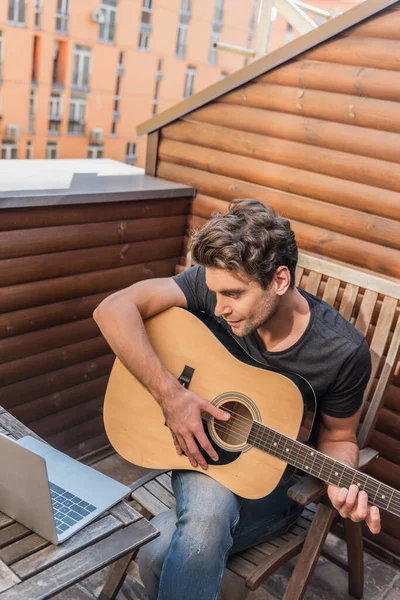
49, 492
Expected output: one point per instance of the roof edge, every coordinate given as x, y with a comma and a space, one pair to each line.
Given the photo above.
264, 64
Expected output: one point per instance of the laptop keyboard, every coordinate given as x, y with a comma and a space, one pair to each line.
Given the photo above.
68, 509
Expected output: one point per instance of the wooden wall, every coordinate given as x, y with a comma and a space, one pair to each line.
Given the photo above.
56, 264
318, 138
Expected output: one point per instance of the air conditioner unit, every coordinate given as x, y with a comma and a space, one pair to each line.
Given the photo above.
12, 131
97, 134
121, 69
98, 16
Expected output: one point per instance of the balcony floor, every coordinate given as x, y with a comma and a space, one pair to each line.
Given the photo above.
382, 581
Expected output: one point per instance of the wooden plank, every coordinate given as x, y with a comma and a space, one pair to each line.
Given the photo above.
365, 313
27, 295
291, 154
165, 481
53, 216
148, 501
5, 520
348, 300
49, 383
46, 240
160, 493
75, 568
46, 407
312, 283
151, 153
7, 578
331, 290
15, 427
52, 555
52, 360
291, 182
125, 513
382, 145
22, 548
37, 268
78, 433
71, 417
12, 533
341, 108
32, 319
311, 238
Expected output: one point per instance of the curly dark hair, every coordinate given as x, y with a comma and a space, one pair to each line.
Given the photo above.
250, 237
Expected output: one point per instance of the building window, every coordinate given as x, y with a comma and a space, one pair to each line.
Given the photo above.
145, 25
131, 157
38, 14
62, 16
80, 77
288, 34
31, 115
185, 16
213, 52
95, 151
159, 77
114, 128
9, 149
107, 29
16, 12
181, 41
51, 150
77, 116
29, 149
55, 111
189, 82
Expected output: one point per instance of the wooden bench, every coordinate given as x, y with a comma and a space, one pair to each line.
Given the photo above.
372, 304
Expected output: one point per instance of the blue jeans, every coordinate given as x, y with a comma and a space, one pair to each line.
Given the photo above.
187, 561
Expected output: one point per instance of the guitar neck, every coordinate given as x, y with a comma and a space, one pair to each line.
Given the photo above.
322, 466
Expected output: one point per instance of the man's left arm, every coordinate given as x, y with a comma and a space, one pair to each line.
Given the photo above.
337, 438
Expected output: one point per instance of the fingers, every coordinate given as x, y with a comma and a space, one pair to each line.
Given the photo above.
353, 504
215, 412
374, 519
177, 445
193, 453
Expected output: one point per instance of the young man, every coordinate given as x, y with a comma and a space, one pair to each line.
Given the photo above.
244, 277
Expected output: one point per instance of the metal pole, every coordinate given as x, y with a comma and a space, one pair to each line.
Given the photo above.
264, 27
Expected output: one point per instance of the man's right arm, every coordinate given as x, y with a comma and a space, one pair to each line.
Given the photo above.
120, 319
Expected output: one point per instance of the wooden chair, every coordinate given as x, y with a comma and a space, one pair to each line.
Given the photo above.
372, 304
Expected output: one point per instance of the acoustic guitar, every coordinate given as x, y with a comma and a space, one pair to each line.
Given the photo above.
272, 413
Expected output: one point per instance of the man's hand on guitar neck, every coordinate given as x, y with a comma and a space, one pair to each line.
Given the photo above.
183, 416
337, 438
353, 504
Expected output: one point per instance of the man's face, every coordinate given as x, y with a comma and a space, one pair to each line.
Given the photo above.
241, 301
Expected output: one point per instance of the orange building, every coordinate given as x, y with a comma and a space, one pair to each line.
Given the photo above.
76, 77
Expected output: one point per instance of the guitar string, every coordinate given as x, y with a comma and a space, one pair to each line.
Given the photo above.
345, 478
393, 502
303, 454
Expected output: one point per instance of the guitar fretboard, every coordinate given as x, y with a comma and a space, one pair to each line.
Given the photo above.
329, 470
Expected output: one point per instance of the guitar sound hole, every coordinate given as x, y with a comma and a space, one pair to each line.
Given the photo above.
235, 431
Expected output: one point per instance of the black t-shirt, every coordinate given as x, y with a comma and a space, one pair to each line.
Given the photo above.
331, 354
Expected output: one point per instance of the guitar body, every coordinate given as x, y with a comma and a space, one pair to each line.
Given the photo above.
226, 376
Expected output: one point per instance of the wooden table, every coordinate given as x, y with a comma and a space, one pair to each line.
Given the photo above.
31, 568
